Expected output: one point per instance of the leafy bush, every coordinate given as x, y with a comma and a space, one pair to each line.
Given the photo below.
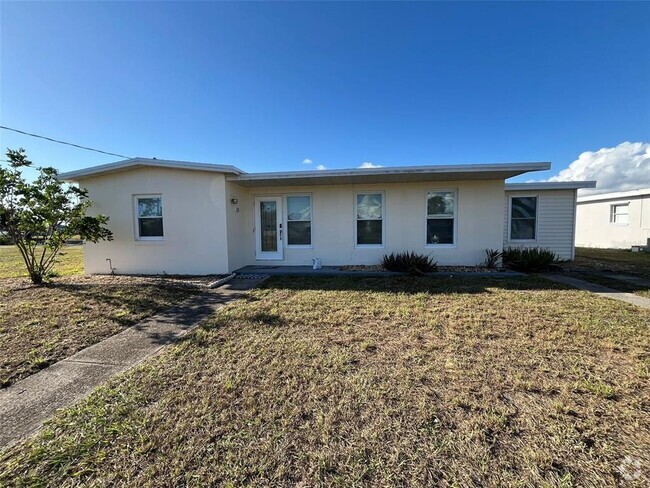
5, 240
529, 260
492, 257
409, 262
41, 214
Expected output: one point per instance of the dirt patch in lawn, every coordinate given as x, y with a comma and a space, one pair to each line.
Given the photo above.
375, 382
40, 325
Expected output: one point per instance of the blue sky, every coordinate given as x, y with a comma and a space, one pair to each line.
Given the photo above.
265, 86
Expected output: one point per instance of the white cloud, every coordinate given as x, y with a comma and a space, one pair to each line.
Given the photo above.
620, 168
369, 164
307, 161
321, 167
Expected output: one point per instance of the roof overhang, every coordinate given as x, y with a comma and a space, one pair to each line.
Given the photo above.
404, 174
146, 162
550, 185
615, 195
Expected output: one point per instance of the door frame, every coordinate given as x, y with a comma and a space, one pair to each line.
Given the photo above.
267, 255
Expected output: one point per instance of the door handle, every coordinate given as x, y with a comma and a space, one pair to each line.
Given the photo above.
280, 231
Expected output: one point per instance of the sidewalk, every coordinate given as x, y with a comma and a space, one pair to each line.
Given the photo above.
635, 280
604, 291
25, 405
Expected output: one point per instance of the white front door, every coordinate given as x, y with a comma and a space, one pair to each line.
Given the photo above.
268, 228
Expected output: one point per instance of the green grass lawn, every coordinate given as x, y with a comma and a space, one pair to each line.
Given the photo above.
591, 263
624, 286
373, 382
616, 260
70, 262
40, 325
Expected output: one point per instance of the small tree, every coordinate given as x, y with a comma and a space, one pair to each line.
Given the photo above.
40, 216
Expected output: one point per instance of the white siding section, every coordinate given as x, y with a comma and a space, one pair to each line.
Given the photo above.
555, 221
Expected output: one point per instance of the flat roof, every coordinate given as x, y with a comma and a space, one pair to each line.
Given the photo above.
550, 185
615, 195
396, 174
146, 162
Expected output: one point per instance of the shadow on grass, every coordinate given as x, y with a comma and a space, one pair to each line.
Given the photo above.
632, 285
414, 284
144, 300
270, 319
139, 300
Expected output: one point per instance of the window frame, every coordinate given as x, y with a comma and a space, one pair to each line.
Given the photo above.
525, 195
136, 217
454, 244
286, 221
383, 219
612, 215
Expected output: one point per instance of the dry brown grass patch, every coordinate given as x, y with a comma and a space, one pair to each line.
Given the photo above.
40, 325
379, 382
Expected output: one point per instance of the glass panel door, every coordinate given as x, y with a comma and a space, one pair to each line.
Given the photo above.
268, 228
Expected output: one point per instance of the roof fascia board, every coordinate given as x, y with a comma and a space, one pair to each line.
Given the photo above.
144, 162
615, 195
396, 170
551, 185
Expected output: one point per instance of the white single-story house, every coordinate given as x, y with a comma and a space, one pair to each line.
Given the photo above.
616, 220
179, 217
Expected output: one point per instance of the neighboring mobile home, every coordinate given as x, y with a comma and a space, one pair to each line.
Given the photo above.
614, 220
193, 218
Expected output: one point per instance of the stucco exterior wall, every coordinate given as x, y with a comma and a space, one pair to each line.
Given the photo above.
194, 221
241, 241
479, 222
206, 233
555, 221
594, 229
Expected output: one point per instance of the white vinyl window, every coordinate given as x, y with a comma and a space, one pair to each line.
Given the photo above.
299, 221
523, 218
369, 216
441, 218
618, 213
149, 217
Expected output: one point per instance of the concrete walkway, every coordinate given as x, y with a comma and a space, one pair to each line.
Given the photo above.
25, 405
634, 280
604, 291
